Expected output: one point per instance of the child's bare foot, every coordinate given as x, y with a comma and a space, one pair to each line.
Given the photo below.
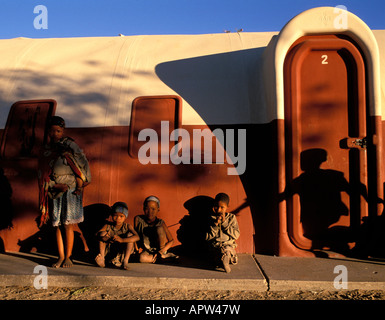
100, 261
125, 265
169, 255
58, 263
67, 263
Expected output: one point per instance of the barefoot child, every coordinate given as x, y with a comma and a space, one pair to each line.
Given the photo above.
116, 239
63, 172
155, 238
223, 231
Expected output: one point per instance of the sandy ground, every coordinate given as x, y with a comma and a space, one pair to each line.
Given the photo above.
113, 293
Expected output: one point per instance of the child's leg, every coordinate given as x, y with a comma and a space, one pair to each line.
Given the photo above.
69, 232
77, 229
127, 254
99, 259
60, 248
228, 256
162, 237
146, 257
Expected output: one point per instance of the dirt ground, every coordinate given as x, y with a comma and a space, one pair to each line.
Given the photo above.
114, 293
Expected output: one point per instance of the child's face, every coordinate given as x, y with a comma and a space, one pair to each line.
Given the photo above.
150, 210
56, 133
118, 218
220, 208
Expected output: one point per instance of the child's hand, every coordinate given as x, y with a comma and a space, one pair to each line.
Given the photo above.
78, 191
61, 187
117, 239
219, 220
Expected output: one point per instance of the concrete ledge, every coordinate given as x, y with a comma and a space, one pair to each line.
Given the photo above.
17, 269
315, 274
142, 282
258, 273
286, 285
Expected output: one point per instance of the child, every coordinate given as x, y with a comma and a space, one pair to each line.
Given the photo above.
155, 238
223, 231
63, 172
116, 239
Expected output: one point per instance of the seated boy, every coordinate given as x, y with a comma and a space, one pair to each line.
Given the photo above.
155, 238
116, 239
222, 233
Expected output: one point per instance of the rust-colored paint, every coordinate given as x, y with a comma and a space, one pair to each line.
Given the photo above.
325, 121
148, 112
21, 142
118, 176
25, 128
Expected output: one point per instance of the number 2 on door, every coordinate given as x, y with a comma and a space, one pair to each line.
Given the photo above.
324, 58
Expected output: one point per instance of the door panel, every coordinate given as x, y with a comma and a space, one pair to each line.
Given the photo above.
22, 141
326, 158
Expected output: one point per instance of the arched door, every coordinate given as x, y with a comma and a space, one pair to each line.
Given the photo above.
326, 140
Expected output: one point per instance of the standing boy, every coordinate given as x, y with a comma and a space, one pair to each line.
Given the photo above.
222, 233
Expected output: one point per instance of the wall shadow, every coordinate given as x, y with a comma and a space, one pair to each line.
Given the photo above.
321, 203
371, 242
193, 226
95, 217
85, 242
214, 84
42, 241
7, 214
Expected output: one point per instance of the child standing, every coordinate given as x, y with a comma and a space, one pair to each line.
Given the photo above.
222, 233
116, 239
63, 172
155, 238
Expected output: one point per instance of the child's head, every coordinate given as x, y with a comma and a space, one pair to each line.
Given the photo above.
221, 203
119, 212
151, 207
56, 128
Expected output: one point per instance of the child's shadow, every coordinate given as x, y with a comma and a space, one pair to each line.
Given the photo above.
193, 227
85, 242
95, 217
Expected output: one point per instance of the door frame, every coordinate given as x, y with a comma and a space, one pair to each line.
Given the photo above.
293, 62
317, 21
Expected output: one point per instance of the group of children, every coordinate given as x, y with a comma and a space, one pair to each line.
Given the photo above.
149, 236
64, 172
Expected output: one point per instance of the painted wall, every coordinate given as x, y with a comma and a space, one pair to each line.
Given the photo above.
225, 81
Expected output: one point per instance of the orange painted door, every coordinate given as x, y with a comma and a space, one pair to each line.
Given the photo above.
326, 155
23, 137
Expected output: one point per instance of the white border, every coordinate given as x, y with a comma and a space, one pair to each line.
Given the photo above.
318, 21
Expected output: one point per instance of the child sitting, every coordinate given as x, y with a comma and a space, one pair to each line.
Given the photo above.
222, 233
155, 238
116, 239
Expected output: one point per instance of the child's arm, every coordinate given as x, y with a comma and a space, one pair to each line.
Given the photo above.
231, 228
102, 234
170, 240
132, 238
79, 186
214, 229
